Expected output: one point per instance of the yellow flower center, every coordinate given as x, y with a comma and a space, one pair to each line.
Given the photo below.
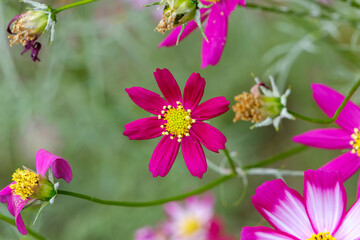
213, 1
25, 180
178, 121
190, 226
248, 108
355, 143
321, 236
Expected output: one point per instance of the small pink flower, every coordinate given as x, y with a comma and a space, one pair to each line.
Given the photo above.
180, 120
346, 137
216, 18
319, 214
28, 186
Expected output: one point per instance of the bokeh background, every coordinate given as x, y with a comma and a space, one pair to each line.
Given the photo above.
73, 104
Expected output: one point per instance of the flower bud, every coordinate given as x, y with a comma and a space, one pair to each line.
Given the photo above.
176, 13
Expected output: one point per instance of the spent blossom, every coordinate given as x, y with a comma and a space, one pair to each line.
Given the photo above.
215, 14
345, 137
29, 187
262, 105
179, 120
27, 27
319, 214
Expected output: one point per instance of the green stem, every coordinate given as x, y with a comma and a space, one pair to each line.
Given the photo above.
200, 190
277, 158
230, 160
337, 113
72, 5
150, 203
12, 222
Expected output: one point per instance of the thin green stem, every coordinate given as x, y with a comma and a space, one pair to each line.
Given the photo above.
150, 203
72, 5
230, 160
12, 222
277, 158
337, 113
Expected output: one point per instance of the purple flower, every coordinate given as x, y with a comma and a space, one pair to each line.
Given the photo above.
180, 120
345, 137
216, 18
319, 214
29, 186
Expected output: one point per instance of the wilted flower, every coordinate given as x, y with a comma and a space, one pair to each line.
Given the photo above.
215, 13
262, 106
27, 27
29, 187
319, 214
180, 120
345, 137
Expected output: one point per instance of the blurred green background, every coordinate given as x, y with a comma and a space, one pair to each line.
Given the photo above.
73, 104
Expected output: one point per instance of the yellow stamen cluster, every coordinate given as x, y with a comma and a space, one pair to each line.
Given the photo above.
248, 108
21, 33
25, 180
213, 1
167, 23
178, 121
189, 226
321, 236
355, 143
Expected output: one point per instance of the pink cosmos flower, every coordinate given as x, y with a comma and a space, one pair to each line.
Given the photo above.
345, 137
28, 186
216, 18
180, 120
319, 214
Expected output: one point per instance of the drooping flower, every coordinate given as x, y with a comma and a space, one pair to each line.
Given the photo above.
216, 17
345, 137
27, 27
319, 214
180, 122
29, 187
262, 109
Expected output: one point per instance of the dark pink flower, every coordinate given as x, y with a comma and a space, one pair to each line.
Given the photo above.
319, 214
28, 186
179, 119
216, 18
345, 137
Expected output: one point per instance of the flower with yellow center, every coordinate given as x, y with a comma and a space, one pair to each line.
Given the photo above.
189, 226
26, 181
178, 121
322, 236
355, 143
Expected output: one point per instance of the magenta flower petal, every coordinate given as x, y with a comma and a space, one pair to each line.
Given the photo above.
5, 193
216, 32
145, 128
194, 90
329, 100
172, 38
15, 205
325, 199
194, 156
283, 208
59, 166
211, 108
163, 156
209, 136
347, 163
147, 100
330, 138
349, 228
264, 233
168, 86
